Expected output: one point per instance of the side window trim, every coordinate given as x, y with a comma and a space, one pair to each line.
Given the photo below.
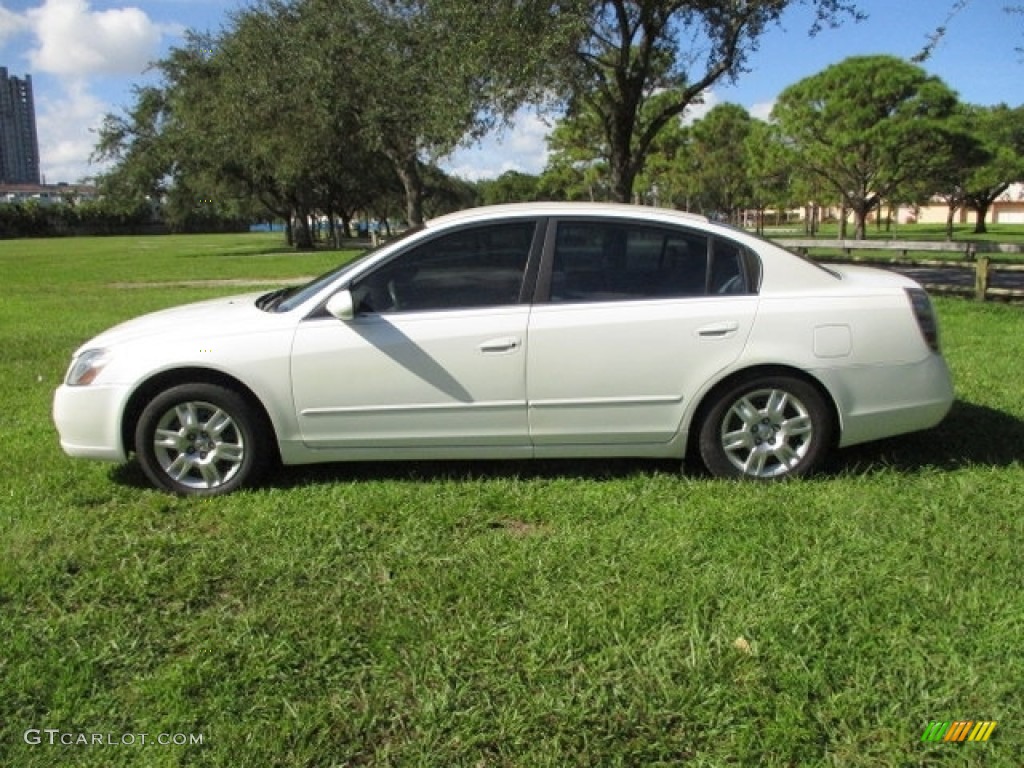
533, 261
542, 289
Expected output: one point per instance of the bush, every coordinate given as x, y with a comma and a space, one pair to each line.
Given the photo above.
100, 217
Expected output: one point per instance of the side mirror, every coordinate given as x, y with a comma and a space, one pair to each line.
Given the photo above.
340, 305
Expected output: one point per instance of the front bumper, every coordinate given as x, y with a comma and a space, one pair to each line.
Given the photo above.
88, 421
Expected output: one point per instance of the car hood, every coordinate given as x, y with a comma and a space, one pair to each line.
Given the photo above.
214, 317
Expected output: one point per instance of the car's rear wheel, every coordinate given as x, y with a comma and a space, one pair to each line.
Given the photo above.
202, 440
766, 428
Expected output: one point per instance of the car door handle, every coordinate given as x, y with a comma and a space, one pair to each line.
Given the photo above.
497, 346
718, 330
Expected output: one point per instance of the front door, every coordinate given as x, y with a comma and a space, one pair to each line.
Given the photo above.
435, 356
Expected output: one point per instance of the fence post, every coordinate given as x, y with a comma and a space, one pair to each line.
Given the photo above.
981, 276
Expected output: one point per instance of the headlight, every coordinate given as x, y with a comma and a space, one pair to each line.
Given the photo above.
86, 367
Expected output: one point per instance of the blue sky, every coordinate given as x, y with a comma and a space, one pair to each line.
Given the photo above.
84, 56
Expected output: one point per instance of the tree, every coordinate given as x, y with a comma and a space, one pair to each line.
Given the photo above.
313, 106
223, 125
769, 164
1000, 130
575, 170
719, 161
954, 165
666, 178
626, 52
425, 75
867, 127
135, 144
510, 187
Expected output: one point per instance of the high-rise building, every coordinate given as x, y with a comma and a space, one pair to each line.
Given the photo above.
19, 145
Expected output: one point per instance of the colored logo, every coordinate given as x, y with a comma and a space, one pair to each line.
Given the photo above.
960, 730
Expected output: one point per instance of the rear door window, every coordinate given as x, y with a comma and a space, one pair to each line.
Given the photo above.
624, 261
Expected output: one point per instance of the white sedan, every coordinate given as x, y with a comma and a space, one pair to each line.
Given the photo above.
523, 331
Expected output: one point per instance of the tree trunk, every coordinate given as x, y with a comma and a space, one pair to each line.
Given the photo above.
860, 224
303, 233
980, 227
332, 230
407, 166
413, 186
860, 227
622, 177
949, 221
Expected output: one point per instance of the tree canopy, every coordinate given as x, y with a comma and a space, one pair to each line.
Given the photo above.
627, 53
298, 108
327, 104
867, 128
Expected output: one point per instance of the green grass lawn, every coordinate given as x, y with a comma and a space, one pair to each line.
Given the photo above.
505, 614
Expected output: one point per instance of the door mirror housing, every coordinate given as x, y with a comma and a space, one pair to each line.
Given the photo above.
340, 305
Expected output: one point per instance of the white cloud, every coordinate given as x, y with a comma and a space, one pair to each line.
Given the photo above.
762, 110
11, 23
75, 40
697, 111
66, 127
520, 147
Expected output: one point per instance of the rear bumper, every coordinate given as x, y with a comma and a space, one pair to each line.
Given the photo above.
878, 402
88, 420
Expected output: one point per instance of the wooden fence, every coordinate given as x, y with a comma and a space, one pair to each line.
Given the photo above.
941, 275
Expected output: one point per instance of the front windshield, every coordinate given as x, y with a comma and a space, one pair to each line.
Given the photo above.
287, 299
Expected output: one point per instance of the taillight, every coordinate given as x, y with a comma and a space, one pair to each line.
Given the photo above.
925, 315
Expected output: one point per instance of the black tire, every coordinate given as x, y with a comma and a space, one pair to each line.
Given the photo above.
202, 440
766, 428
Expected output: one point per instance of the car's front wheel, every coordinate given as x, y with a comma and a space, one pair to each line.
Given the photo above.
201, 440
766, 428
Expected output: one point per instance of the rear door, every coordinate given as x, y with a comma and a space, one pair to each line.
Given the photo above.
631, 320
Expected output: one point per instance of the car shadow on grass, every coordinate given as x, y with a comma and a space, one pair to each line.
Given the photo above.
468, 471
131, 474
971, 435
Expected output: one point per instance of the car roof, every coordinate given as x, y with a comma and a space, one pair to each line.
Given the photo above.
567, 209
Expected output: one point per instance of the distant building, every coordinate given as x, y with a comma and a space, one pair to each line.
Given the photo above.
19, 145
1007, 209
47, 194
